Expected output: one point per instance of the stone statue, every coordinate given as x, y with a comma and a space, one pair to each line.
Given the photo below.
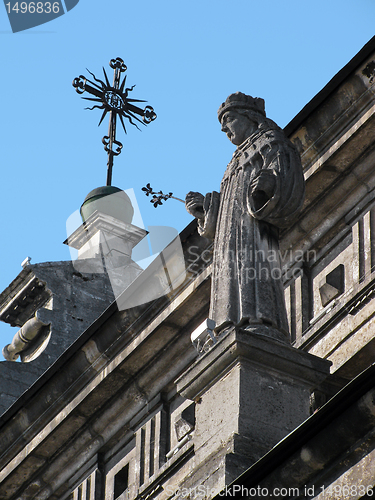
262, 190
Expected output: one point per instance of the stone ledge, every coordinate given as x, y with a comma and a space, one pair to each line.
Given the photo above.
259, 351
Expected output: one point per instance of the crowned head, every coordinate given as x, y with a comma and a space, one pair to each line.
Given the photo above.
240, 116
239, 101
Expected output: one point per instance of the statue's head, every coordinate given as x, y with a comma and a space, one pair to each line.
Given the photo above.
240, 115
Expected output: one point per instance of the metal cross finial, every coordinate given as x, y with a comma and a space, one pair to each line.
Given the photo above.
114, 100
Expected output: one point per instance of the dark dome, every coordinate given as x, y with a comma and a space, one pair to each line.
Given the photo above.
108, 200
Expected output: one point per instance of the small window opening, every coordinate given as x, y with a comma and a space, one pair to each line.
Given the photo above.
121, 481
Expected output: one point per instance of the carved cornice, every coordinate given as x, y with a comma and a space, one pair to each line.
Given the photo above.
22, 298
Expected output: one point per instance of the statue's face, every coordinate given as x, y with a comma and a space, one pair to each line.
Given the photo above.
236, 126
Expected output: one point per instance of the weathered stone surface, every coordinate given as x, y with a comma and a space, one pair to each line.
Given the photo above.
68, 301
262, 190
25, 337
335, 447
55, 302
333, 285
21, 476
336, 224
251, 388
127, 359
109, 402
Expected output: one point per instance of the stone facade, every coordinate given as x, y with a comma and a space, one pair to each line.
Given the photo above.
128, 409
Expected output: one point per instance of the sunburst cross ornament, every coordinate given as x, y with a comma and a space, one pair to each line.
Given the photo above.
114, 100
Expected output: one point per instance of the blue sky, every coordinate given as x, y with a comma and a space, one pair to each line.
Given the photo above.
185, 58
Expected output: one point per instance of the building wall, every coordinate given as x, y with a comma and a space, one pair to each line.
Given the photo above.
107, 421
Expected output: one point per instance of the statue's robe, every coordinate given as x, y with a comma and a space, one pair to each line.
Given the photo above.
247, 287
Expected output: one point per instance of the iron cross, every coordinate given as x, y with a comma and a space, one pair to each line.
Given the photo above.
115, 101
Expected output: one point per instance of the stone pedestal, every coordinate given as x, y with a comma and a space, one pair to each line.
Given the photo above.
105, 236
105, 245
250, 392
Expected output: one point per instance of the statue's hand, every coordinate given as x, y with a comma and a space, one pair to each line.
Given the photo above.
265, 181
262, 188
194, 204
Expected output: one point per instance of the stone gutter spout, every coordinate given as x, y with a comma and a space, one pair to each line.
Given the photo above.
22, 339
